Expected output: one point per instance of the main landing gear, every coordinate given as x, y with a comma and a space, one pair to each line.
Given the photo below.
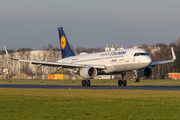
122, 82
86, 82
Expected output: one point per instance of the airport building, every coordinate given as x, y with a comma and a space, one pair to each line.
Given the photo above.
108, 48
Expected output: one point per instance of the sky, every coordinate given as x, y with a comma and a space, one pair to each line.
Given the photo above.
93, 23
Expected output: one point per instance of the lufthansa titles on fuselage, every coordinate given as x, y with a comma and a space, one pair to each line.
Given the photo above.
113, 53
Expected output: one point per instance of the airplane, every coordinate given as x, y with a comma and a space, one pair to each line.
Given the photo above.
88, 66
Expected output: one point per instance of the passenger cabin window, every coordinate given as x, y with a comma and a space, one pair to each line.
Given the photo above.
142, 54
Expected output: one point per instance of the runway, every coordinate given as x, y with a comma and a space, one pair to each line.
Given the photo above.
93, 87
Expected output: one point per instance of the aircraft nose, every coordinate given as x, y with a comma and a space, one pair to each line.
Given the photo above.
148, 60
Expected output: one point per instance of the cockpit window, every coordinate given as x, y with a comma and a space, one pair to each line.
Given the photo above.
143, 54
147, 54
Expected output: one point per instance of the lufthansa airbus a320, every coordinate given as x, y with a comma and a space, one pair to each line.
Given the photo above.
89, 66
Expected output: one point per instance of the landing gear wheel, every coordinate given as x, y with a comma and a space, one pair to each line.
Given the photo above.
120, 82
83, 82
124, 82
137, 80
88, 82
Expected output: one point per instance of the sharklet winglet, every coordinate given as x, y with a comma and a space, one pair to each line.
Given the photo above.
8, 54
173, 54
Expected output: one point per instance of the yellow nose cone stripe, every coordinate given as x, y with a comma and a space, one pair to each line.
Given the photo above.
63, 42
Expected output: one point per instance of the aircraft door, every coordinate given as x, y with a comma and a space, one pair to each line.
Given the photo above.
126, 56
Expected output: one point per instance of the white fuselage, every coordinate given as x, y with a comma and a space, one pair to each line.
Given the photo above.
114, 61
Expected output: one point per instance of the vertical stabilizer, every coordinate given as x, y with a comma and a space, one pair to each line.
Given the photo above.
66, 50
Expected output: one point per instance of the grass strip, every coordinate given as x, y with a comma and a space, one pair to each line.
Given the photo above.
16, 104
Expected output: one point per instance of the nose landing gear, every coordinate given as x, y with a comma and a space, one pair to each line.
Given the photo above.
137, 79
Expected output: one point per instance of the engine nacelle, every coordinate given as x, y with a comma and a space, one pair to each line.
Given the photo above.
147, 73
88, 72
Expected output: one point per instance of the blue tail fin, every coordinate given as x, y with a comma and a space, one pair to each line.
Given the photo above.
66, 50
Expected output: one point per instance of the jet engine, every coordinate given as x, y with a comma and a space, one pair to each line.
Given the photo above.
88, 72
146, 72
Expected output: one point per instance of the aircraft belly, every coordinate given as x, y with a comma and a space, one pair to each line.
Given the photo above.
127, 67
123, 67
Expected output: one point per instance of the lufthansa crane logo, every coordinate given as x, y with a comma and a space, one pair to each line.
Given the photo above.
63, 42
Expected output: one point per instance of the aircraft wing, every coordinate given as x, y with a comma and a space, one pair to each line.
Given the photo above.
54, 64
167, 61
